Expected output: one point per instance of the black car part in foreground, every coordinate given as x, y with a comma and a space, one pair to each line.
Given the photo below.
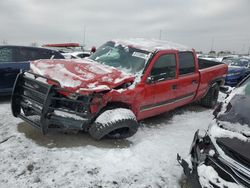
44, 106
220, 157
234, 170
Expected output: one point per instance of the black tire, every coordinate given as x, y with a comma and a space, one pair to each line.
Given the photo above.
211, 98
117, 128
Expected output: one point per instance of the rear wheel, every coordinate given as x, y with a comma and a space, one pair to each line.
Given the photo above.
116, 123
210, 100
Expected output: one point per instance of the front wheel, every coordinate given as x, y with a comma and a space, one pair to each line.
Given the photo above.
210, 99
117, 123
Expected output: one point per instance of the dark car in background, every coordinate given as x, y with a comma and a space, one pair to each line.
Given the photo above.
238, 69
70, 50
16, 58
220, 157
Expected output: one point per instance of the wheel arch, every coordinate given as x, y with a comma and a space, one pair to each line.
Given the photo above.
220, 81
112, 105
117, 104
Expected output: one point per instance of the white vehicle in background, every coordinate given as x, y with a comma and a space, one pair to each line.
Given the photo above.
80, 54
70, 50
218, 59
208, 57
76, 55
228, 57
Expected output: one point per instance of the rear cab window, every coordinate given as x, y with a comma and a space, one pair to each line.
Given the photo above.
186, 63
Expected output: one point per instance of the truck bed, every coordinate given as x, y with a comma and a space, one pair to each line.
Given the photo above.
210, 72
204, 63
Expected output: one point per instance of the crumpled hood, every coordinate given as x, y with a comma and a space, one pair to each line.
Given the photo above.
231, 128
236, 146
81, 75
230, 139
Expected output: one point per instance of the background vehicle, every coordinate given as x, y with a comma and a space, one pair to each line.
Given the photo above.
65, 47
76, 55
229, 57
209, 57
221, 156
121, 83
69, 50
15, 58
238, 69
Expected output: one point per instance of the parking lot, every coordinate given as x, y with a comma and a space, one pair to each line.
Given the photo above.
60, 159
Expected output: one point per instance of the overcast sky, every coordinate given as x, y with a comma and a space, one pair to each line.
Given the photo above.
195, 23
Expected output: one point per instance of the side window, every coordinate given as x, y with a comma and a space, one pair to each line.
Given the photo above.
6, 54
83, 55
48, 54
30, 54
44, 54
164, 68
34, 54
24, 54
186, 63
56, 55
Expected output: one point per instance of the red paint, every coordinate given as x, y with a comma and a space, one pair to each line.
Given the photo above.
62, 45
93, 77
142, 98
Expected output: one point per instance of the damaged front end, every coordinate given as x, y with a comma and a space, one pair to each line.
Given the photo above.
42, 103
211, 165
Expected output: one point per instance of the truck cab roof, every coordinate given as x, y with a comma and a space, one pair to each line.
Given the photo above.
152, 45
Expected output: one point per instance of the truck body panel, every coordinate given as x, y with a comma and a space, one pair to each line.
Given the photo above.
81, 76
157, 89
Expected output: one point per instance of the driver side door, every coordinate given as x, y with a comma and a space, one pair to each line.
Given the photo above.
160, 86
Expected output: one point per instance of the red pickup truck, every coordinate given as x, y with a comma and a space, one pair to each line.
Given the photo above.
123, 82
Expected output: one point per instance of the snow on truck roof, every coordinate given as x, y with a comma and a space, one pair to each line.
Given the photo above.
152, 45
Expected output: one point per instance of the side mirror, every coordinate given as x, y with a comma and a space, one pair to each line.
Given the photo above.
150, 79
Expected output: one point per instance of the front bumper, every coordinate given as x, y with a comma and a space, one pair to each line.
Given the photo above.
45, 106
191, 174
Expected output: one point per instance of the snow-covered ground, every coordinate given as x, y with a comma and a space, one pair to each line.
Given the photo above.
148, 159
